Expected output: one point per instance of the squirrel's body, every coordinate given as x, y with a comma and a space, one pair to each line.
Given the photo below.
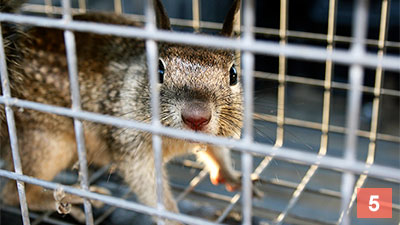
113, 80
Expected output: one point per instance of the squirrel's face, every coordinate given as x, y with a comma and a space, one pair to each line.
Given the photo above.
200, 90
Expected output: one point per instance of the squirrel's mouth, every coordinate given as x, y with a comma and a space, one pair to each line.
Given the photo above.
201, 128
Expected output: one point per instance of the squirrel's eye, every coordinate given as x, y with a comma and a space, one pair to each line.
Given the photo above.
161, 71
233, 78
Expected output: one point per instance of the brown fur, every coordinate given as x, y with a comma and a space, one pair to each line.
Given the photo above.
113, 80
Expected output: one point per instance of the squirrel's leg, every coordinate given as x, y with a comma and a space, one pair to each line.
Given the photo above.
139, 172
44, 154
218, 162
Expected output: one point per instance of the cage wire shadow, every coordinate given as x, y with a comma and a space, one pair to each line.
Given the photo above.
356, 57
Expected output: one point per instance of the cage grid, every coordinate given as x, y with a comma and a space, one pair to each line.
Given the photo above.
356, 57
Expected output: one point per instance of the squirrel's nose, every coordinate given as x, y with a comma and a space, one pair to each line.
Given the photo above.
196, 115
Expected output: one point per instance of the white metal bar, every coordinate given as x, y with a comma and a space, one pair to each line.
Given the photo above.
248, 79
356, 72
281, 77
95, 176
375, 106
358, 59
325, 121
152, 62
121, 203
248, 83
109, 211
247, 70
288, 154
217, 26
260, 47
76, 106
12, 131
320, 83
247, 193
33, 215
318, 126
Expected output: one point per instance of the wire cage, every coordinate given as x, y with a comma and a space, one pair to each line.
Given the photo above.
321, 109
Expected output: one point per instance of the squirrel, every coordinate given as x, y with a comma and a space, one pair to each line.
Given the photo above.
199, 90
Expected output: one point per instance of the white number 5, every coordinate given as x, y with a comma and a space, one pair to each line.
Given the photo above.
373, 203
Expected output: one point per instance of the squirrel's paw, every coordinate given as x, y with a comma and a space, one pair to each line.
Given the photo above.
233, 181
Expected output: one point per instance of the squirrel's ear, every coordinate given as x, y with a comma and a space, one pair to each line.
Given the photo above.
161, 16
227, 29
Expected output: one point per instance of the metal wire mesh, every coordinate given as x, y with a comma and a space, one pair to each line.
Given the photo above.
354, 172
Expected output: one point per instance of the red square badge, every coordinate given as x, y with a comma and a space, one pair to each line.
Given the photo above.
374, 203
